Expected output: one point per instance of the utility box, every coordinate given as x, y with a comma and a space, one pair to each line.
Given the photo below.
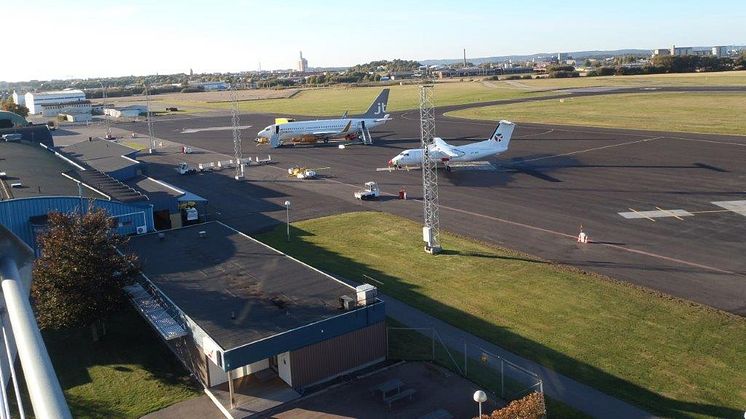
366, 294
427, 235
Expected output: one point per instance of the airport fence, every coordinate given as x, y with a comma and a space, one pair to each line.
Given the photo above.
502, 378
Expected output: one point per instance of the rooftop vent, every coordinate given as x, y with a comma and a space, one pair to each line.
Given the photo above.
346, 303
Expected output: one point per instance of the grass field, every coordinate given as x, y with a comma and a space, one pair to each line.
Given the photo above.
337, 100
127, 374
720, 113
726, 78
674, 358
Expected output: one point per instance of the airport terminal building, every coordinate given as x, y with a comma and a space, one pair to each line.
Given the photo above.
246, 318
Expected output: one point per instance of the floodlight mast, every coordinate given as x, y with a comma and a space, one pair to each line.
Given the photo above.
431, 229
106, 116
236, 121
151, 150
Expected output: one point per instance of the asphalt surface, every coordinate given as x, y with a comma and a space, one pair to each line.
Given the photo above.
552, 180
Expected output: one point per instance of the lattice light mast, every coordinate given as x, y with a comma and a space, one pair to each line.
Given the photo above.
236, 121
151, 150
106, 116
431, 229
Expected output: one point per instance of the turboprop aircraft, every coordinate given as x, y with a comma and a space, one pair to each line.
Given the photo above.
442, 152
350, 128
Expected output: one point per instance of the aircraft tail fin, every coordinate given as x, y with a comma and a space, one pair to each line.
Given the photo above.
378, 108
503, 133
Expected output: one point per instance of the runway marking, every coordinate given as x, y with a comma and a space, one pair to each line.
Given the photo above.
709, 211
660, 213
673, 213
635, 214
587, 150
739, 207
708, 141
549, 131
195, 130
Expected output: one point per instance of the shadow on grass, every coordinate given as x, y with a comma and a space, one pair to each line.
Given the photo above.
130, 344
488, 256
615, 386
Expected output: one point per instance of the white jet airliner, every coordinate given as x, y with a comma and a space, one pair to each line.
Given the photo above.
442, 152
325, 129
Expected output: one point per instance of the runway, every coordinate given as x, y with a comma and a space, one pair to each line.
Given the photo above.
626, 188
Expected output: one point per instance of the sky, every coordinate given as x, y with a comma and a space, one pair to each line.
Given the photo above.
86, 38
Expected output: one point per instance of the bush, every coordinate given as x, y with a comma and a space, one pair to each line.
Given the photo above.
529, 407
563, 74
553, 68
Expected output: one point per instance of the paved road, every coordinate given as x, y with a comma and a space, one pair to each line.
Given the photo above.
552, 180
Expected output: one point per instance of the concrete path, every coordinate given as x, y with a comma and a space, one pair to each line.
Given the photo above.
198, 407
556, 386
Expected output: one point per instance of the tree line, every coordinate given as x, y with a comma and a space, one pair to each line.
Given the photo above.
676, 64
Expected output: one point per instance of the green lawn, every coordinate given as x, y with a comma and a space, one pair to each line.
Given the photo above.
127, 374
671, 357
721, 113
337, 100
725, 78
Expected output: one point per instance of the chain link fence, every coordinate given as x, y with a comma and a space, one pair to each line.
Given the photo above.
494, 373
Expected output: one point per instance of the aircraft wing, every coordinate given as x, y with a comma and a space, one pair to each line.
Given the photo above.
446, 148
335, 132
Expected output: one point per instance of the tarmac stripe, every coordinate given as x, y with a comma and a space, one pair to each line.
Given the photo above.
644, 140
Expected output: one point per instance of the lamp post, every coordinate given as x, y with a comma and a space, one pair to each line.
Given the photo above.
480, 397
287, 218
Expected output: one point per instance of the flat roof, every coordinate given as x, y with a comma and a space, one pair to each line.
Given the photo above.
234, 287
102, 155
38, 170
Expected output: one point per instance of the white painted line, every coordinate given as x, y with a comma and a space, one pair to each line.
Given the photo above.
644, 140
739, 207
194, 130
659, 213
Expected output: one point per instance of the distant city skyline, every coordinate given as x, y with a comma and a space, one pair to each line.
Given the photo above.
85, 39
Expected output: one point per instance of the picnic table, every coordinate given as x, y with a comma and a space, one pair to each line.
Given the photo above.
387, 387
391, 391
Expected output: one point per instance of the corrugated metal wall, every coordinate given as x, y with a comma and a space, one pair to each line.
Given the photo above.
15, 213
326, 359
